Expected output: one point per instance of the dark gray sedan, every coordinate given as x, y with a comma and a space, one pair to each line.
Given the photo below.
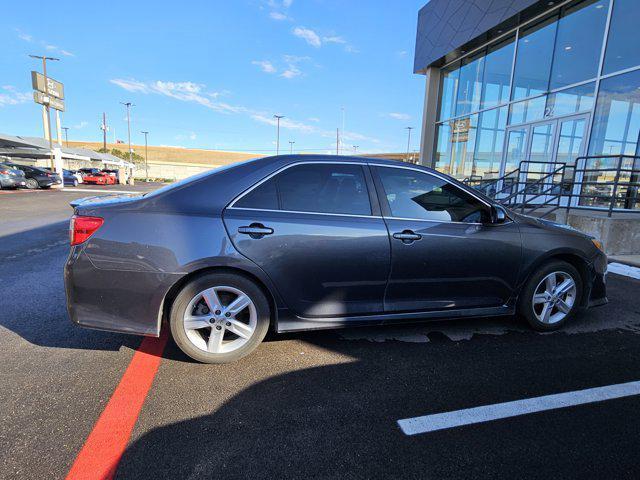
309, 242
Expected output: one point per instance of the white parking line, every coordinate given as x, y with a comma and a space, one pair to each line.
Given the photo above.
487, 413
622, 269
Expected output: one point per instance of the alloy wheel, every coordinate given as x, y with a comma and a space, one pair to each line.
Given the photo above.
554, 297
220, 319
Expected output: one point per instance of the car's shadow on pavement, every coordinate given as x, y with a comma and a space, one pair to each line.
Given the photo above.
333, 412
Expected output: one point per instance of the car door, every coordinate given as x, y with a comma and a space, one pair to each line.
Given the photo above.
315, 229
445, 253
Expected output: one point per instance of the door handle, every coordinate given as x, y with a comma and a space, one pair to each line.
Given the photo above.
255, 230
407, 236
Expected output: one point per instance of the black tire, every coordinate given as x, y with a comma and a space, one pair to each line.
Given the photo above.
202, 283
525, 300
32, 184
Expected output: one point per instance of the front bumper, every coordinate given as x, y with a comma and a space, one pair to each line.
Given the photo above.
598, 286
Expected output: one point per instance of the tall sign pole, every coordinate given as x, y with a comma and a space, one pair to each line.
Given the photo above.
129, 105
278, 117
408, 141
44, 59
146, 156
104, 131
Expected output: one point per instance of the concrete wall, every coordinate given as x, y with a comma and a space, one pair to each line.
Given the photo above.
173, 171
619, 235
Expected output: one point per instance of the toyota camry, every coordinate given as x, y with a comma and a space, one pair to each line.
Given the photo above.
293, 243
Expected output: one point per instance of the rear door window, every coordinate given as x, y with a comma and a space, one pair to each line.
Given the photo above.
317, 188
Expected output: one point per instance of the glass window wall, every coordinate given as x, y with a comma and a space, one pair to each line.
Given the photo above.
578, 42
616, 122
533, 59
622, 44
572, 100
496, 82
470, 85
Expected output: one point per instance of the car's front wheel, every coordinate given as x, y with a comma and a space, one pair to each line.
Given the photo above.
551, 296
219, 318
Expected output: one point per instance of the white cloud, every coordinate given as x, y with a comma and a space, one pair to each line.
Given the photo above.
67, 53
399, 116
314, 119
51, 48
184, 91
26, 37
10, 96
47, 46
265, 65
192, 136
285, 123
308, 35
81, 125
402, 53
278, 16
287, 3
292, 71
334, 39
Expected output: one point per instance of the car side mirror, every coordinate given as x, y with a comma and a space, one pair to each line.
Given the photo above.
498, 214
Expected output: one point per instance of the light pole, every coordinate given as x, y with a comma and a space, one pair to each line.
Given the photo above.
44, 73
291, 147
278, 117
146, 157
355, 148
408, 141
129, 105
66, 135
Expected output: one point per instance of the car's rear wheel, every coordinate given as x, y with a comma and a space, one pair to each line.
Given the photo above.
219, 318
32, 183
551, 296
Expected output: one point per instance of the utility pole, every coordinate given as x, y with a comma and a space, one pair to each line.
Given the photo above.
278, 117
408, 141
129, 105
66, 135
146, 157
104, 129
291, 147
343, 121
44, 73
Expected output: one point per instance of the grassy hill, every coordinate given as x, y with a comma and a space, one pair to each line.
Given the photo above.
176, 154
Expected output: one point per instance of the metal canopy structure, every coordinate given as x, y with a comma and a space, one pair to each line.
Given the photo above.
34, 147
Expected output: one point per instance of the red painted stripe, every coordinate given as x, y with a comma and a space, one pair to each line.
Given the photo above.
108, 440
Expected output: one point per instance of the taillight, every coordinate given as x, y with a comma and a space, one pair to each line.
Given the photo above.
81, 228
5, 172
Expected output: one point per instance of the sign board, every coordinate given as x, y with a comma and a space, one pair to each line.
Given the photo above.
43, 99
460, 130
52, 88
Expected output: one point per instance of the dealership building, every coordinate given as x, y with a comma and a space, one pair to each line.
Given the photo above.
543, 95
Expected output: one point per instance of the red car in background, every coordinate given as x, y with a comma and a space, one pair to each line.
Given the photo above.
99, 178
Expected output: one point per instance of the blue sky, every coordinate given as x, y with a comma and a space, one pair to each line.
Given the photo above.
210, 74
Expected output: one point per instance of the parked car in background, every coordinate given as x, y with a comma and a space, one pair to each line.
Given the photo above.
68, 177
37, 177
304, 242
99, 178
113, 173
76, 174
11, 177
88, 171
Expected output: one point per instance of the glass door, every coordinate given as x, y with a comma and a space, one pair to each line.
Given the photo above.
540, 148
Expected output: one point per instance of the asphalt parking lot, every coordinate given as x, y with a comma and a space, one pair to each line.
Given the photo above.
307, 405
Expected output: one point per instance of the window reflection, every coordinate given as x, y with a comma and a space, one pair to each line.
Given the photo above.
456, 146
533, 59
616, 121
448, 89
571, 100
490, 139
622, 44
470, 85
578, 42
496, 83
527, 111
